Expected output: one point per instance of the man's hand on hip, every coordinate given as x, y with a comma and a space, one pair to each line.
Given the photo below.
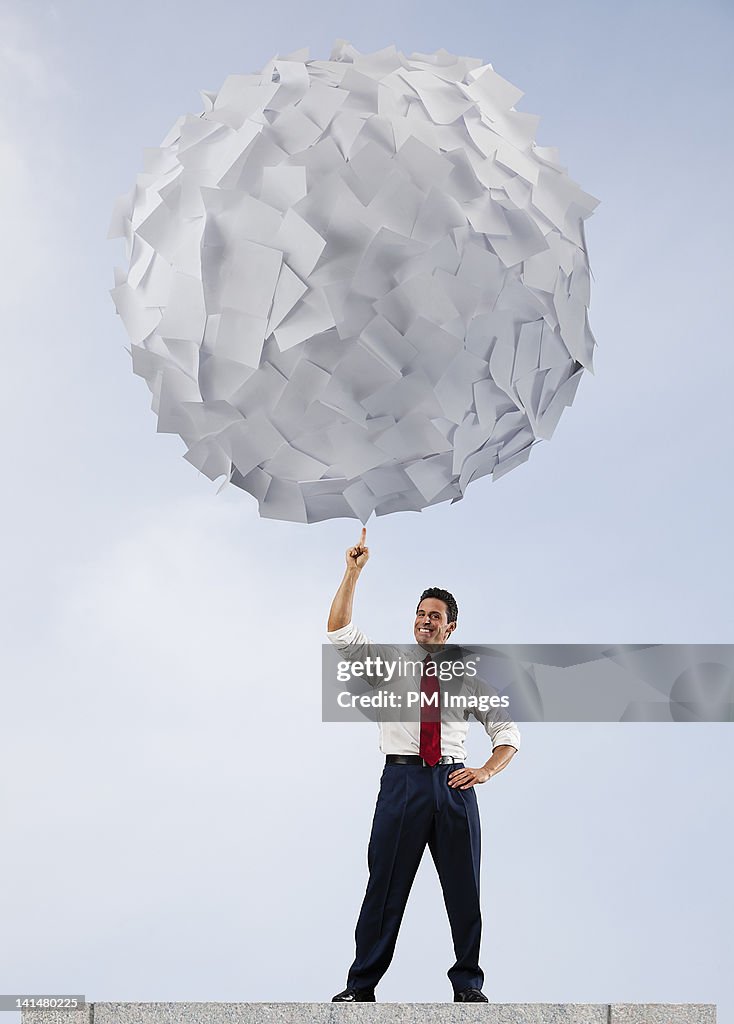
465, 778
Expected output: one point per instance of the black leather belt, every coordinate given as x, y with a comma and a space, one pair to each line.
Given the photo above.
417, 759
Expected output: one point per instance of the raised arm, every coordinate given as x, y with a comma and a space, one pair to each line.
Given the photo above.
340, 613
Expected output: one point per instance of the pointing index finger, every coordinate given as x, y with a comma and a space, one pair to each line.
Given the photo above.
363, 537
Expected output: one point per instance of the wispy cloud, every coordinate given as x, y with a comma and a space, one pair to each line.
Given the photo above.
21, 60
32, 85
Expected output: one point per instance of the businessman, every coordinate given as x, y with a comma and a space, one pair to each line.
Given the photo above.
426, 798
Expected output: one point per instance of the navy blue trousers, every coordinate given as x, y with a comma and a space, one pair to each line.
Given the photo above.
417, 807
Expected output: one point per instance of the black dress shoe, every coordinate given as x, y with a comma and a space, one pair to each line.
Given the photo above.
354, 995
470, 995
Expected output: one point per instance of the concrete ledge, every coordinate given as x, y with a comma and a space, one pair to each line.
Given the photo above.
378, 1013
662, 1013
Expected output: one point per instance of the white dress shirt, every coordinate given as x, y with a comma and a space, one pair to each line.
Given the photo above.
403, 737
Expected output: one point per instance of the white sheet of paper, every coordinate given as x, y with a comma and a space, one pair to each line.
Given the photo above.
240, 337
251, 279
354, 453
139, 320
288, 291
310, 317
301, 245
282, 187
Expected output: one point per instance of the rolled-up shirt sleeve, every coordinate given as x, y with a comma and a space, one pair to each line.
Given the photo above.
347, 636
354, 645
499, 729
497, 723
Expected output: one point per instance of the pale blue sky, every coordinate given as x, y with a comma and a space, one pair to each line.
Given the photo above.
179, 824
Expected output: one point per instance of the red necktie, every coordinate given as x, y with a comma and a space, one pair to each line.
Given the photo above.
430, 739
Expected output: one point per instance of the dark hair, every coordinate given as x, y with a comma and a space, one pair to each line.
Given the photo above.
452, 609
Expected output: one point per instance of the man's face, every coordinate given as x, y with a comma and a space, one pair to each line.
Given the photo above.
431, 622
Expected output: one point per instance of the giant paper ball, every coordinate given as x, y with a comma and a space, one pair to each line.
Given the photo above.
355, 285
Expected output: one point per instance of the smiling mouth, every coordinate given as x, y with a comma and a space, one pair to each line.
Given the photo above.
427, 632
